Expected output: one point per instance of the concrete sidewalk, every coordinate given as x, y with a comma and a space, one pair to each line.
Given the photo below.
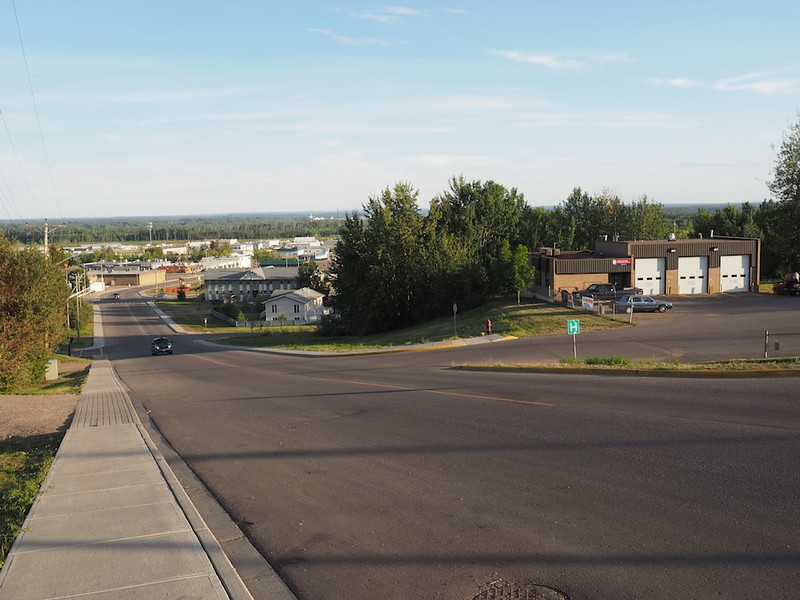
112, 520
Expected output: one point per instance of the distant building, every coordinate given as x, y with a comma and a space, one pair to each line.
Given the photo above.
244, 285
669, 267
226, 262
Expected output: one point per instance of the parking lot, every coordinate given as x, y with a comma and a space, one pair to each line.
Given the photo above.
704, 327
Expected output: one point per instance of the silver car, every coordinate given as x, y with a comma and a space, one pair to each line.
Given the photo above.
630, 304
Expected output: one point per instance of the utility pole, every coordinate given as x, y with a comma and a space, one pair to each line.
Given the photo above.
150, 228
46, 231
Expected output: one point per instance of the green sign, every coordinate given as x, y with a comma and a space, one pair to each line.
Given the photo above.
573, 326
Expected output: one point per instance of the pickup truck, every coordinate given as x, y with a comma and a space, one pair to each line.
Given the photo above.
604, 291
790, 285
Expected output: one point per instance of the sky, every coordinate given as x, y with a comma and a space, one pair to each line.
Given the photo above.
117, 108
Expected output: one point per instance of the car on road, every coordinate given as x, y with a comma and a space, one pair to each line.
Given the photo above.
115, 296
638, 303
160, 345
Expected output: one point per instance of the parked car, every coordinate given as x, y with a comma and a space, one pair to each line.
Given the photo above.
604, 291
790, 285
642, 304
161, 345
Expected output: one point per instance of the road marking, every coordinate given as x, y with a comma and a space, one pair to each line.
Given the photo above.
405, 387
437, 392
218, 362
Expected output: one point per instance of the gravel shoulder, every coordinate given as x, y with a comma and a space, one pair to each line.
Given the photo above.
28, 416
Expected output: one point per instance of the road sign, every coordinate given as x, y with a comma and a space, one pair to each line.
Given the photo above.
573, 326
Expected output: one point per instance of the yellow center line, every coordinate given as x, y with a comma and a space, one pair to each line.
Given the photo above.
437, 392
217, 362
405, 388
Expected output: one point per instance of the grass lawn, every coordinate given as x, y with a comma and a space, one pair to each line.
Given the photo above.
530, 318
23, 467
72, 374
622, 364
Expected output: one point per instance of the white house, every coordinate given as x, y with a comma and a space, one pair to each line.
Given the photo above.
303, 306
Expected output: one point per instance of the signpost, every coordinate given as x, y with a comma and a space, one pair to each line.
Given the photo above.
573, 329
455, 325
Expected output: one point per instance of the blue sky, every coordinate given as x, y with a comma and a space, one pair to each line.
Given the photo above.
174, 107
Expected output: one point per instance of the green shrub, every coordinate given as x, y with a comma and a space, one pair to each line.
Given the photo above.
611, 361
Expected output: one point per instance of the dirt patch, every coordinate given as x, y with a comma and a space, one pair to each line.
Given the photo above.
27, 416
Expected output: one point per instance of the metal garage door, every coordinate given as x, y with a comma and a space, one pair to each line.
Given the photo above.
734, 273
650, 275
692, 274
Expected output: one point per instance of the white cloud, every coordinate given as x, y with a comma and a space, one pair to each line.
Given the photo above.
608, 120
613, 58
679, 82
403, 11
544, 60
387, 14
765, 84
451, 161
350, 41
484, 103
455, 11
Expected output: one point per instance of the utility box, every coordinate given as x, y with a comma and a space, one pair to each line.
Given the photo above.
51, 372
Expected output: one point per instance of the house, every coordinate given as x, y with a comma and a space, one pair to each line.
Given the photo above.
303, 306
244, 285
673, 266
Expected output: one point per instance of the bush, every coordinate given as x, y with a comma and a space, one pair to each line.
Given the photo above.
332, 326
229, 310
611, 361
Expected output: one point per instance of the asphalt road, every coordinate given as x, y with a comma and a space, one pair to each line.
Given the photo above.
396, 477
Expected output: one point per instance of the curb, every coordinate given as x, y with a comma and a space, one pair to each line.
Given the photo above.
244, 572
685, 373
460, 343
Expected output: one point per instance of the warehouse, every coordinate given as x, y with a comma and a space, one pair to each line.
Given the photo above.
659, 267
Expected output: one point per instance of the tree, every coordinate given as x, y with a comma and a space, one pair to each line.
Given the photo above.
644, 220
785, 185
786, 173
377, 272
33, 304
523, 272
154, 253
310, 276
482, 216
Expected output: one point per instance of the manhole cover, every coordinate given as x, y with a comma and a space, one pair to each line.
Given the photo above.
508, 590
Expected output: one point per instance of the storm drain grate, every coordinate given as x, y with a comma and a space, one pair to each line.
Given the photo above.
508, 590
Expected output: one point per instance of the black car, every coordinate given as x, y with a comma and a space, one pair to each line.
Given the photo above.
115, 296
161, 345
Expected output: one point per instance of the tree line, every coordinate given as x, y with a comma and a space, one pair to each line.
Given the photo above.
394, 266
161, 230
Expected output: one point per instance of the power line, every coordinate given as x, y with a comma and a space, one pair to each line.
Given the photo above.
36, 111
19, 162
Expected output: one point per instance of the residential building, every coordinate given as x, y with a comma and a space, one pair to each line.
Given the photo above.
295, 306
244, 285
